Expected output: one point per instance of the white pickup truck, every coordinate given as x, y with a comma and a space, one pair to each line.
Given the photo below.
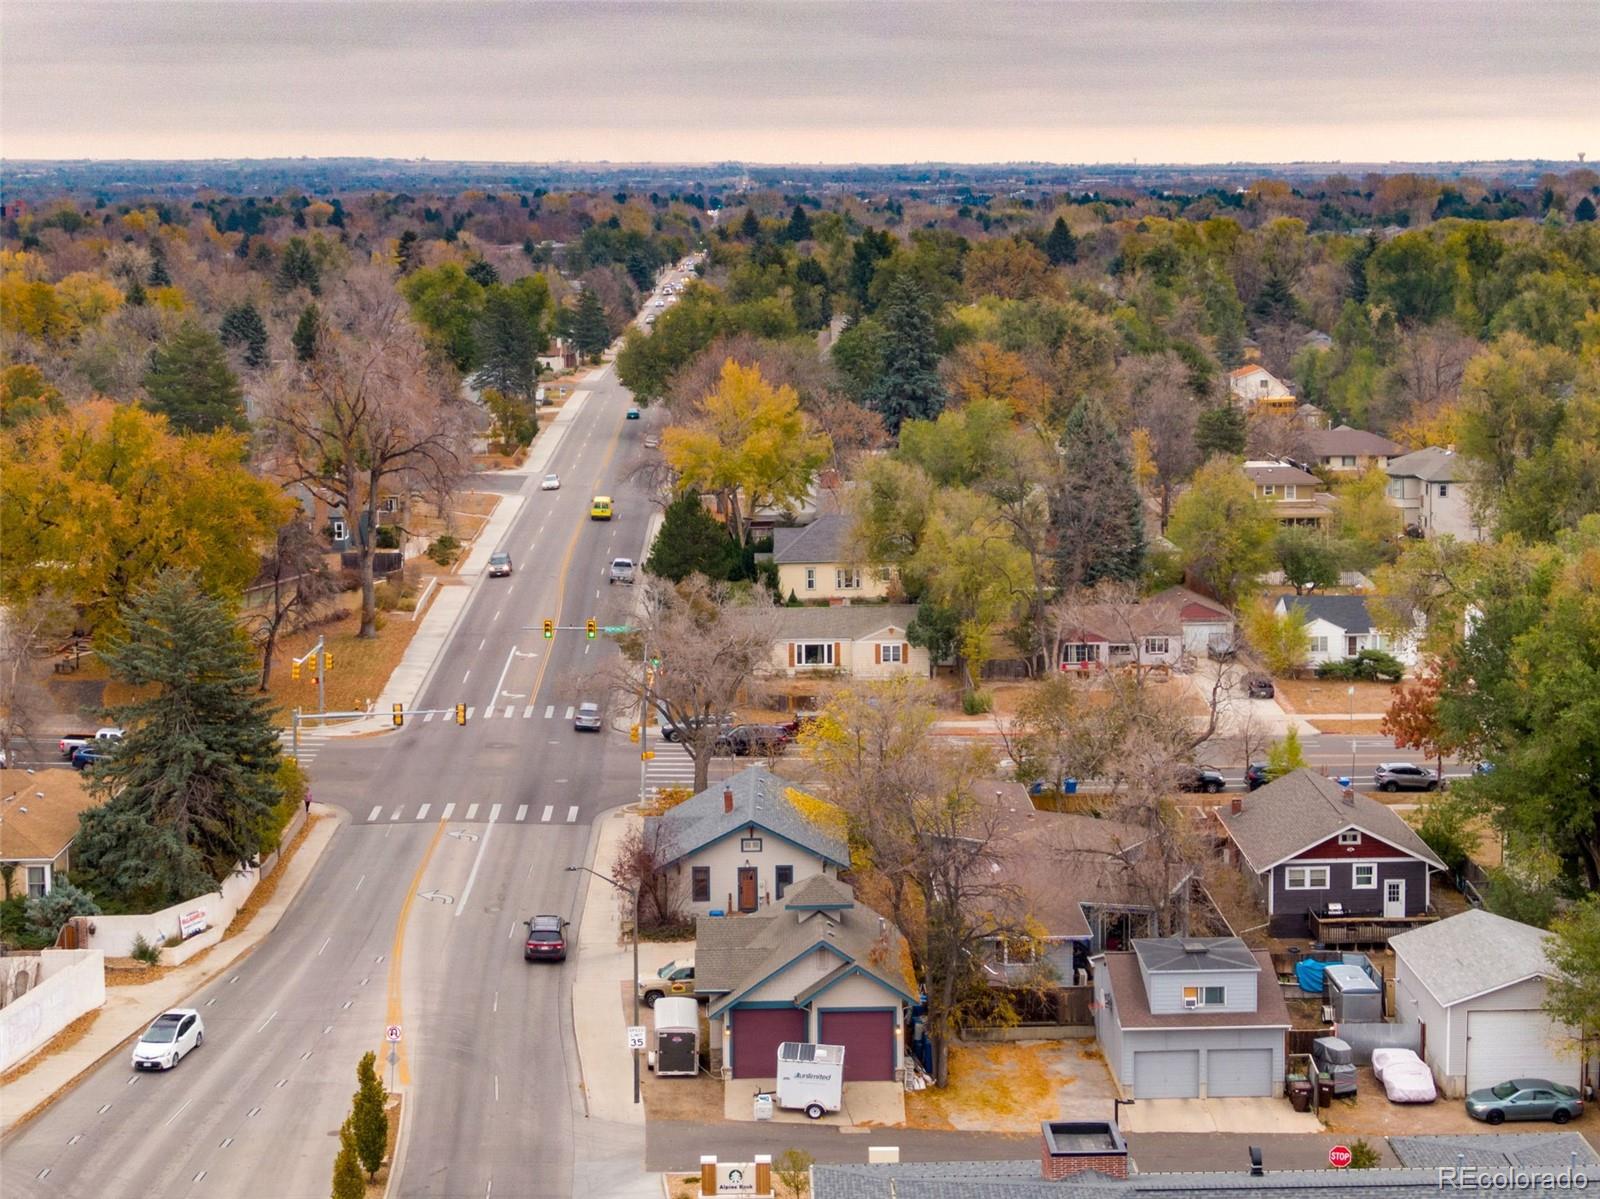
73, 742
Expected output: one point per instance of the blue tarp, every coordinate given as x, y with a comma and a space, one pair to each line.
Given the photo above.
1310, 975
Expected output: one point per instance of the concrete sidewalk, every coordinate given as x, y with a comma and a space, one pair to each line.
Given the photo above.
128, 1010
1218, 1115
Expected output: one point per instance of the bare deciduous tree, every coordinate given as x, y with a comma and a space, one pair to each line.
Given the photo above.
369, 414
30, 631
642, 857
300, 585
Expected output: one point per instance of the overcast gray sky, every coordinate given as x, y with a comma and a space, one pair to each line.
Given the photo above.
1204, 81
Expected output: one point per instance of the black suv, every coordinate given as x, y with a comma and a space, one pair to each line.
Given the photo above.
547, 940
745, 739
673, 732
1259, 686
1255, 775
1201, 778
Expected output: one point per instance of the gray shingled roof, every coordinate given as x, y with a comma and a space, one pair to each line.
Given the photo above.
843, 621
1342, 439
1162, 954
735, 953
1021, 1180
758, 798
1472, 953
1431, 464
826, 539
1133, 1003
1304, 808
1279, 473
1530, 1150
1347, 612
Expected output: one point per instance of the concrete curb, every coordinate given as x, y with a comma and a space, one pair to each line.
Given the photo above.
397, 1163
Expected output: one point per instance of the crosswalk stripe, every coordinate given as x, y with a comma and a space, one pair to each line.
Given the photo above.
427, 716
522, 812
572, 814
549, 810
571, 711
395, 815
422, 812
549, 711
470, 711
527, 712
448, 809
494, 813
472, 812
374, 814
511, 710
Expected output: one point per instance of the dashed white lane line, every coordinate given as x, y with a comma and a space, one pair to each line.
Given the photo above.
324, 945
549, 811
179, 1112
359, 881
267, 1021
522, 812
482, 643
465, 677
496, 615
472, 812
449, 809
572, 814
422, 812
375, 813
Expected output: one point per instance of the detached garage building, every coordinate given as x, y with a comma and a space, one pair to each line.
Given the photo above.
815, 966
1191, 1018
1476, 984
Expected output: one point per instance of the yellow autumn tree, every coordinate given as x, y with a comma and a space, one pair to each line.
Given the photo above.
750, 446
96, 501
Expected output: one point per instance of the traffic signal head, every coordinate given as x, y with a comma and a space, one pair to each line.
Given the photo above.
294, 669
461, 713
549, 629
327, 659
591, 628
399, 715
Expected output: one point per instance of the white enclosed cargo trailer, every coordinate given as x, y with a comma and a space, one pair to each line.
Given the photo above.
811, 1077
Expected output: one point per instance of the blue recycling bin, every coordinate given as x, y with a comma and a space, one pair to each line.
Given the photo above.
1069, 786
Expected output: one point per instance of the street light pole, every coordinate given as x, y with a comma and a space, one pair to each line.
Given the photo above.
1351, 692
634, 895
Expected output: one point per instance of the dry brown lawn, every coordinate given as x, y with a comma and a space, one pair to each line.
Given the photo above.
1001, 1086
360, 668
1331, 696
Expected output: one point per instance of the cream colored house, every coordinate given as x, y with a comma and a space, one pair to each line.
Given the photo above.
741, 845
864, 641
814, 563
39, 813
1430, 488
1291, 491
1256, 389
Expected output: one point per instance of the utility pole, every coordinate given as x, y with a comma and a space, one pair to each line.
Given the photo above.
322, 676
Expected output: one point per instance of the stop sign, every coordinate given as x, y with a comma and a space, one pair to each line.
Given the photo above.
1339, 1156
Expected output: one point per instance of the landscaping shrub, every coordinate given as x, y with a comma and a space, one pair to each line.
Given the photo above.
1369, 666
976, 703
144, 951
444, 549
47, 913
1362, 1155
388, 537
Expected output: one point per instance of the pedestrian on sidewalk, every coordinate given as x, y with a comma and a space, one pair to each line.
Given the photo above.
308, 802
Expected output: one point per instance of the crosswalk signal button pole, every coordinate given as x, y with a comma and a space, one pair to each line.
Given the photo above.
461, 713
549, 629
591, 628
399, 715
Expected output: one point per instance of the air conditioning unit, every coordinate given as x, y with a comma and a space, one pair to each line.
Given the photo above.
1189, 1001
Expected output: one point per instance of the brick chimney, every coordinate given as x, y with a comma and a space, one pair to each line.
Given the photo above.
1074, 1147
727, 799
1349, 794
1236, 805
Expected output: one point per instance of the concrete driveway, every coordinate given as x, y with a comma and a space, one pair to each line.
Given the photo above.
871, 1104
1217, 1115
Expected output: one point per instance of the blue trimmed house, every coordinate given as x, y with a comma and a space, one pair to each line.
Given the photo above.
815, 966
741, 845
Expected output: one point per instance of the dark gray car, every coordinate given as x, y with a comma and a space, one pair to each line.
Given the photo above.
1525, 1099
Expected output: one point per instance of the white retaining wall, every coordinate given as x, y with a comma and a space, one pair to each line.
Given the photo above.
71, 983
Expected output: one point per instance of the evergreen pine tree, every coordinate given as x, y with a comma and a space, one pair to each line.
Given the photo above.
136, 296
482, 272
640, 271
1584, 211
799, 225
158, 276
406, 251
590, 333
508, 346
297, 268
189, 380
337, 219
306, 331
1276, 302
368, 1122
750, 227
1358, 268
347, 1180
1099, 515
1220, 430
189, 791
908, 387
692, 541
242, 326
1061, 246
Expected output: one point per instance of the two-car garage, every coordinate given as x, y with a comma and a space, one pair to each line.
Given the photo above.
1177, 1073
868, 1037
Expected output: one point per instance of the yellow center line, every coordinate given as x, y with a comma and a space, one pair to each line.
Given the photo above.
397, 949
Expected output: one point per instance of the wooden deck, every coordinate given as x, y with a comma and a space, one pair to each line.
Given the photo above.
1362, 930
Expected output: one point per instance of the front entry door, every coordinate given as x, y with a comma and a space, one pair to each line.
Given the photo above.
747, 888
1394, 897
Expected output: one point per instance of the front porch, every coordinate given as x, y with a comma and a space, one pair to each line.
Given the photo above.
1340, 929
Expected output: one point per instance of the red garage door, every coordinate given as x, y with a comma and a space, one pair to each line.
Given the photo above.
757, 1033
868, 1040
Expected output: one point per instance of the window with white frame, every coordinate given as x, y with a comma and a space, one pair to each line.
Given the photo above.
1205, 996
1319, 645
1347, 460
1156, 646
338, 529
811, 578
38, 878
1268, 489
891, 652
1364, 876
1289, 491
1305, 878
847, 579
813, 653
1079, 652
1349, 837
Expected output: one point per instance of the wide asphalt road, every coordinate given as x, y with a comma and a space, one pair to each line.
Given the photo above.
452, 837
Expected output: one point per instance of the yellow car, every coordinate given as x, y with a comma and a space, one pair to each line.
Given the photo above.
600, 508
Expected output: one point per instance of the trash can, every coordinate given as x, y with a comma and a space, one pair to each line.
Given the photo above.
763, 1107
1069, 786
1324, 1090
1300, 1095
